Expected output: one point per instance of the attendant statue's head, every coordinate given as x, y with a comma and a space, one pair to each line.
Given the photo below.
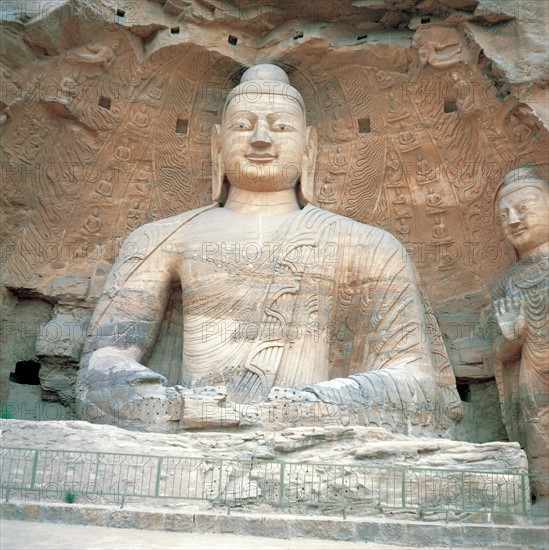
263, 143
523, 206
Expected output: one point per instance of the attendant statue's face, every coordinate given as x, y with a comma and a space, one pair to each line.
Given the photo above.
263, 142
524, 215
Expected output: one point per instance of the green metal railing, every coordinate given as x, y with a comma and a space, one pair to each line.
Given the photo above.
97, 477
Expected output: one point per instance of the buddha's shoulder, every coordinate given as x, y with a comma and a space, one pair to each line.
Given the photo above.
156, 231
366, 233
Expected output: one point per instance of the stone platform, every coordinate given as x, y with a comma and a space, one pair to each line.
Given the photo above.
419, 534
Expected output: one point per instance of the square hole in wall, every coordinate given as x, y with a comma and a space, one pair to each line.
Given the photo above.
232, 40
364, 126
174, 30
425, 20
450, 106
298, 35
105, 102
181, 126
120, 13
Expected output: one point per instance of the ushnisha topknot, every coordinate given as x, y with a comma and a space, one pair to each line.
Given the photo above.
523, 176
265, 79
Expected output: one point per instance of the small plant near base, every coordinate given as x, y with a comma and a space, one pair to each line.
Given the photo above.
69, 497
6, 413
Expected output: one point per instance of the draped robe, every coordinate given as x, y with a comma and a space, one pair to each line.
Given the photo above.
523, 380
312, 298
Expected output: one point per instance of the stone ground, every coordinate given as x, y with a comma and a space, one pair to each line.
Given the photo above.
28, 535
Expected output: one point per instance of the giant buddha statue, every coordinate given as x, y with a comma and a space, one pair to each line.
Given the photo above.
283, 302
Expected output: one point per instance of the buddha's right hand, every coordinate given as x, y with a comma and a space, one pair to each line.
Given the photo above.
110, 366
117, 389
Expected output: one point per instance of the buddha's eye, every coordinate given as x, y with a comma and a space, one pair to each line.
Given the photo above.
503, 216
281, 126
242, 125
523, 208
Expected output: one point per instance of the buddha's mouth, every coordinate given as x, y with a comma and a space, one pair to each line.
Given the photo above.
260, 157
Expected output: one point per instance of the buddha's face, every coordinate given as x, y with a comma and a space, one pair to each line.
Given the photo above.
524, 216
263, 140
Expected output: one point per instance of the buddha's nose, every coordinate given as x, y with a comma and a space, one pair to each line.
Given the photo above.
260, 137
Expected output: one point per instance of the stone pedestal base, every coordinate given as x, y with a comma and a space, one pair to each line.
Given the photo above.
303, 470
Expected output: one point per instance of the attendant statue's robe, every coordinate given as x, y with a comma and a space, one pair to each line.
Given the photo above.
312, 301
523, 377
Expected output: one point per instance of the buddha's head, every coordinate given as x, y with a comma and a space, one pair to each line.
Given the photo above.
263, 143
523, 206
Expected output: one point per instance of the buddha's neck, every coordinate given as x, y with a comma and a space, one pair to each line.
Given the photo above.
255, 203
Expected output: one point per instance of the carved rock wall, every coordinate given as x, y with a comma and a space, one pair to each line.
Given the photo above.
106, 115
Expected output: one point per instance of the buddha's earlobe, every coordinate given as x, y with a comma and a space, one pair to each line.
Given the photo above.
218, 170
308, 166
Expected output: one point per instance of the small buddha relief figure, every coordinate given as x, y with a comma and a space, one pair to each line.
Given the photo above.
440, 231
396, 109
339, 161
134, 217
104, 188
434, 203
145, 176
424, 173
93, 223
407, 140
141, 118
520, 305
154, 92
326, 194
393, 171
123, 151
399, 199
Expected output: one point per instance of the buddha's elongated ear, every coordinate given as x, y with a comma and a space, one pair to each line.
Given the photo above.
218, 170
308, 167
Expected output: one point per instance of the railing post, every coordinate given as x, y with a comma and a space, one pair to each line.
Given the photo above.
463, 491
281, 485
96, 475
158, 472
34, 467
523, 492
220, 479
403, 491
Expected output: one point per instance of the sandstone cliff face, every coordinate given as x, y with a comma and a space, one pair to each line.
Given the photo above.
106, 115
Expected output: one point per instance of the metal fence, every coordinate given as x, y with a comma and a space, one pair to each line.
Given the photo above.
95, 476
